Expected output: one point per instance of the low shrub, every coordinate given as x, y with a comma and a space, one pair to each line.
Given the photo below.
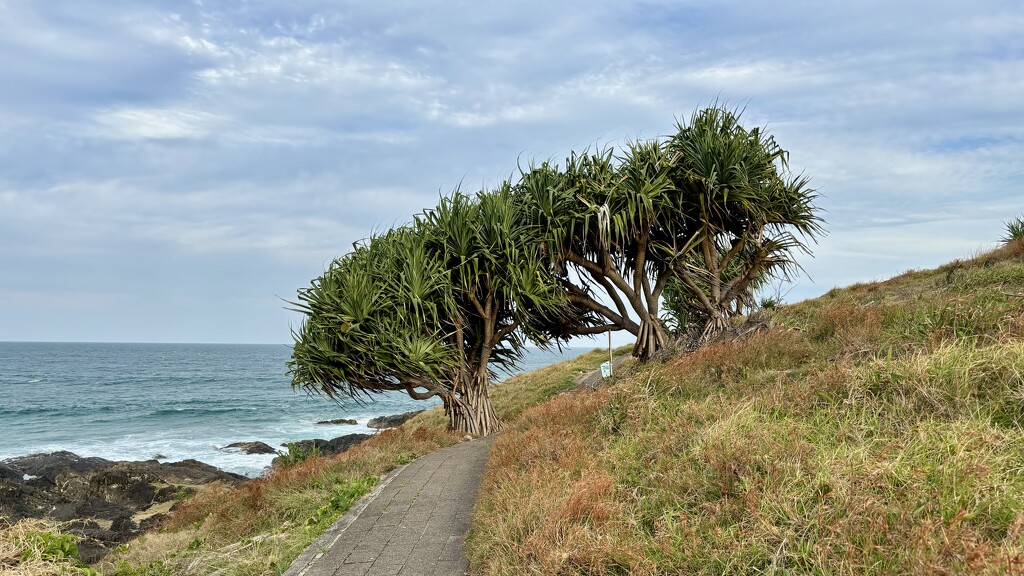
298, 453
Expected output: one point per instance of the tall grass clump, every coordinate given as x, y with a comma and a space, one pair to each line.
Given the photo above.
34, 547
878, 429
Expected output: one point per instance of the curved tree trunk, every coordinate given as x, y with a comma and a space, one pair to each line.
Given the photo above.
469, 410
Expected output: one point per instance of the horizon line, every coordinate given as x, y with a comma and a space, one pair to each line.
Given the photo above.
172, 343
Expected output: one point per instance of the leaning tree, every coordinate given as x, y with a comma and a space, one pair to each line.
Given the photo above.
430, 309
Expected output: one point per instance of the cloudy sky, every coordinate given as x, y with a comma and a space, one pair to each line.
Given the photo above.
169, 171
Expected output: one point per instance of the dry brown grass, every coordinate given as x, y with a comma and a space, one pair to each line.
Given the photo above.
566, 519
876, 430
30, 548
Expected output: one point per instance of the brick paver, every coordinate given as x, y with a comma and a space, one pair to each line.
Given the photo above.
414, 522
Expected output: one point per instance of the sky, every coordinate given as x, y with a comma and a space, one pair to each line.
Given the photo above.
175, 171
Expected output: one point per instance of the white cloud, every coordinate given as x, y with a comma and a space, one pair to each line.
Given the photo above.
157, 123
272, 135
201, 46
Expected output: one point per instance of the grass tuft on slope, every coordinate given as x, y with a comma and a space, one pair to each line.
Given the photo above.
874, 430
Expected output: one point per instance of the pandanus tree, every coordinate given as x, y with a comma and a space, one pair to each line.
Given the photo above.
708, 213
600, 220
430, 309
742, 214
433, 308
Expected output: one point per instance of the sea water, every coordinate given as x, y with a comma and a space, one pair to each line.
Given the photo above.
173, 401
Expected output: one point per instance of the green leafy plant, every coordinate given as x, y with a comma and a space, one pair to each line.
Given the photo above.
341, 500
1014, 230
702, 218
428, 309
50, 546
183, 493
298, 453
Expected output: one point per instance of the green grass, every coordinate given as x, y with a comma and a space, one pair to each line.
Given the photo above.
874, 430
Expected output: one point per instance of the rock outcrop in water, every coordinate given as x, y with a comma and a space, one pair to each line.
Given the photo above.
348, 421
392, 420
105, 502
324, 447
255, 447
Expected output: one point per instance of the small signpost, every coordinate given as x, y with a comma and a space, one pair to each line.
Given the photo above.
606, 367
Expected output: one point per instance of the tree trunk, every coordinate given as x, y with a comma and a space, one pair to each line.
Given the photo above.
469, 411
717, 322
651, 338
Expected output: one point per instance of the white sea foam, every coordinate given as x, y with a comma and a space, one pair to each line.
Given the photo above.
175, 402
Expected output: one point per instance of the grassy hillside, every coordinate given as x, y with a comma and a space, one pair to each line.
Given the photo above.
874, 430
261, 526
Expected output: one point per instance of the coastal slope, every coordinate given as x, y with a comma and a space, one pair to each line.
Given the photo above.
874, 430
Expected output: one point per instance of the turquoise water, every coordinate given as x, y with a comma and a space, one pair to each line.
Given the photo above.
175, 401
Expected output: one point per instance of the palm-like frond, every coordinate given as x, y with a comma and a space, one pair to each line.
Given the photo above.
427, 304
741, 213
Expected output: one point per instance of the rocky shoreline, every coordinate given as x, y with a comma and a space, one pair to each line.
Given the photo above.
103, 502
106, 502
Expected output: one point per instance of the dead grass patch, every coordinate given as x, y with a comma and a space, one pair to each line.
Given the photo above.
553, 507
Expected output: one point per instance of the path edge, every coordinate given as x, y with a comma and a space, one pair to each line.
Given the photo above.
304, 561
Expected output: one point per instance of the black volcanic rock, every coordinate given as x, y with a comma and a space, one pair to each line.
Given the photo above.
349, 421
46, 467
99, 498
392, 420
252, 447
307, 446
325, 447
9, 473
343, 443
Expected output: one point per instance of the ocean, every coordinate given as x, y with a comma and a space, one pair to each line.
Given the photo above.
173, 401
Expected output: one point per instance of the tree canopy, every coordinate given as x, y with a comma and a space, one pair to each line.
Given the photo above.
432, 308
708, 213
745, 215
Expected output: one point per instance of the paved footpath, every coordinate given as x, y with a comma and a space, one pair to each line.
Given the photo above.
414, 521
